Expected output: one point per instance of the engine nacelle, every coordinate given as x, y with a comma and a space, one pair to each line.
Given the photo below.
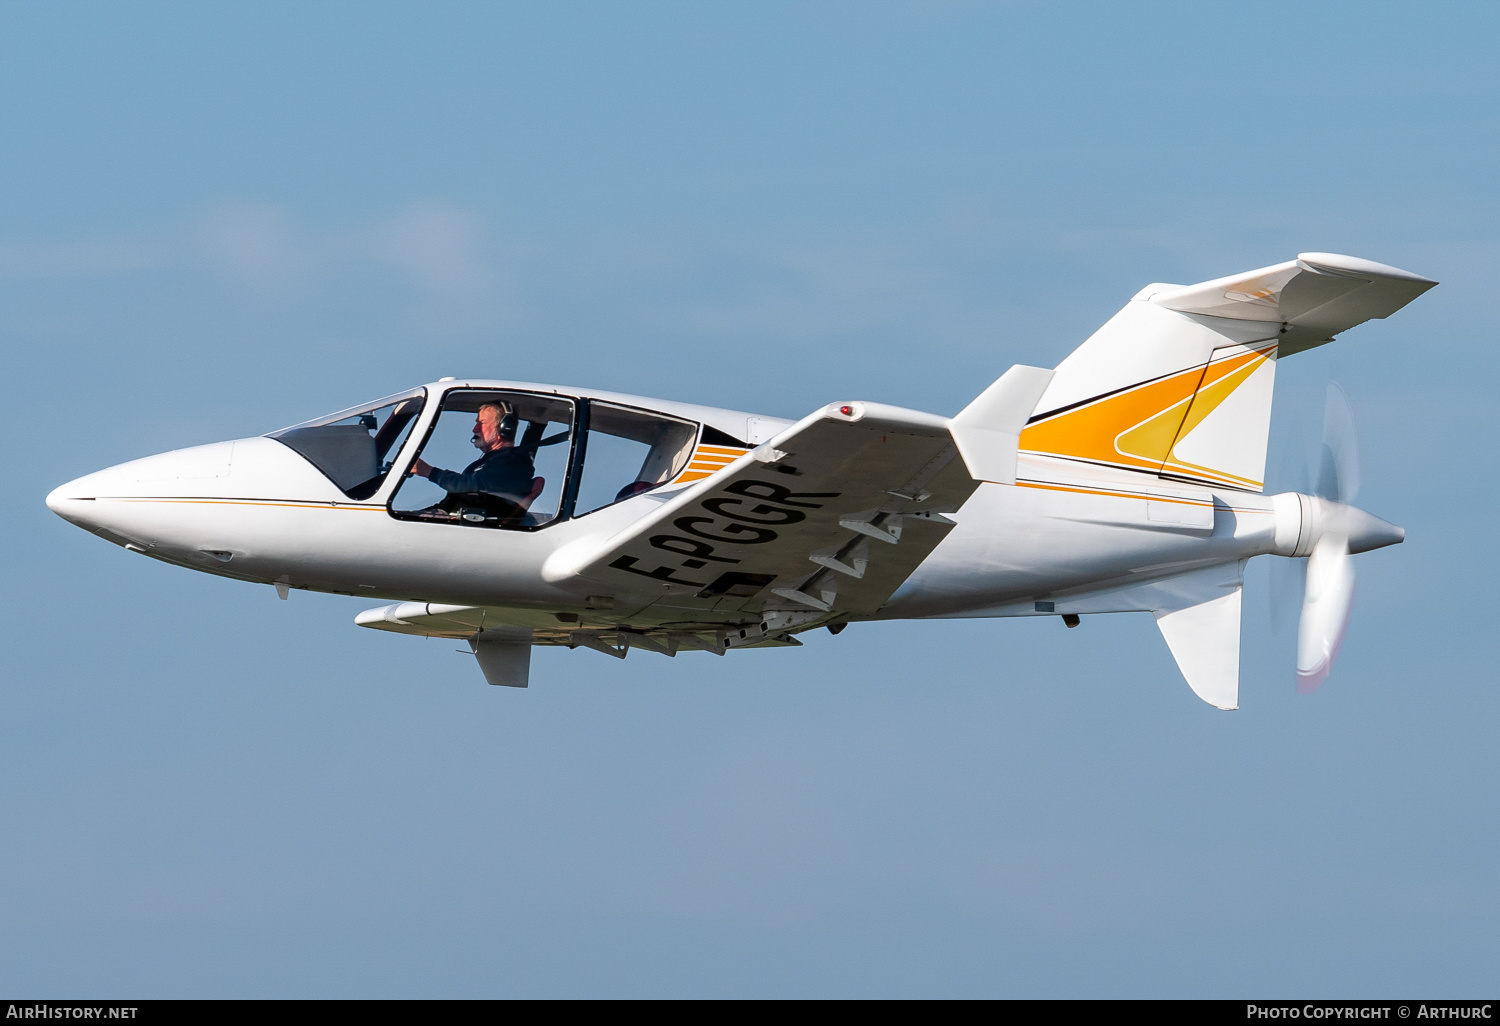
1302, 520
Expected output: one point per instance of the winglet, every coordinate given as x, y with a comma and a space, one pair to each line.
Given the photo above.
988, 430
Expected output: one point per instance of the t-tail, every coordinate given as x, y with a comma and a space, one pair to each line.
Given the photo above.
1177, 386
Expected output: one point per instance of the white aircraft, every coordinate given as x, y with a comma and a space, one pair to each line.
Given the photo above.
1128, 478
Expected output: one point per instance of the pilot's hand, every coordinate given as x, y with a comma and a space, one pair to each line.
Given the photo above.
421, 468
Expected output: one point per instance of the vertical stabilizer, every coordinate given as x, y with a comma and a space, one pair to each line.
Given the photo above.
1178, 384
1176, 395
1199, 617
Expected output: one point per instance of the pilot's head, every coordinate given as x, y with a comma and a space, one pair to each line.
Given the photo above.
489, 427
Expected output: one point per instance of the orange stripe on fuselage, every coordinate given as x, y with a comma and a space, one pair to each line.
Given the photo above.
291, 503
1113, 494
708, 459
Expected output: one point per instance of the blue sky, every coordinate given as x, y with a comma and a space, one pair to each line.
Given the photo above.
216, 220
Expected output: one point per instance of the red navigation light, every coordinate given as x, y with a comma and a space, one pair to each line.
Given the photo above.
847, 411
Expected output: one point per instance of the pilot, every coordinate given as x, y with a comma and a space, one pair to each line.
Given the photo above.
504, 469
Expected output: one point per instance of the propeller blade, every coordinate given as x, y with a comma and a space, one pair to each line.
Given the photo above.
1325, 611
1288, 585
1287, 577
1338, 469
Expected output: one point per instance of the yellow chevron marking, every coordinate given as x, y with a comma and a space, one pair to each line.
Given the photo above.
1091, 432
1138, 428
1209, 396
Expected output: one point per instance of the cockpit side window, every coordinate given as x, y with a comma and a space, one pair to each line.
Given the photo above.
517, 477
354, 448
628, 452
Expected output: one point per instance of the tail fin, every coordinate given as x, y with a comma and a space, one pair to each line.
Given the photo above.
1178, 383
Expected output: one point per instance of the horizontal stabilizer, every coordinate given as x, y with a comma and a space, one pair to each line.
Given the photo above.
1315, 296
988, 430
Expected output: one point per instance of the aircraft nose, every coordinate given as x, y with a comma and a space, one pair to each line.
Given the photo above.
74, 501
84, 502
100, 502
59, 496
182, 505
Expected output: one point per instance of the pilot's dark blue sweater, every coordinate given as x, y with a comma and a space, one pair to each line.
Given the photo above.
505, 471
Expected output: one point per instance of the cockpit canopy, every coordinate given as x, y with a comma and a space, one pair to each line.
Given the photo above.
555, 456
521, 484
629, 452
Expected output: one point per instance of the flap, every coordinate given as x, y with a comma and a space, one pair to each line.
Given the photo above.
826, 519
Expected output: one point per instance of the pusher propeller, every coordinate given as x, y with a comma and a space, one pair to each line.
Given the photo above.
1334, 530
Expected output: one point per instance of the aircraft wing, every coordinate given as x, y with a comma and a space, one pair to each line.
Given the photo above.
823, 522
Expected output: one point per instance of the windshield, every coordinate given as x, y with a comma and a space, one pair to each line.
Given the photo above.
515, 479
355, 448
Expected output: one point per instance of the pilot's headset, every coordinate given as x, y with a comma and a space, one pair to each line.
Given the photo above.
508, 425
